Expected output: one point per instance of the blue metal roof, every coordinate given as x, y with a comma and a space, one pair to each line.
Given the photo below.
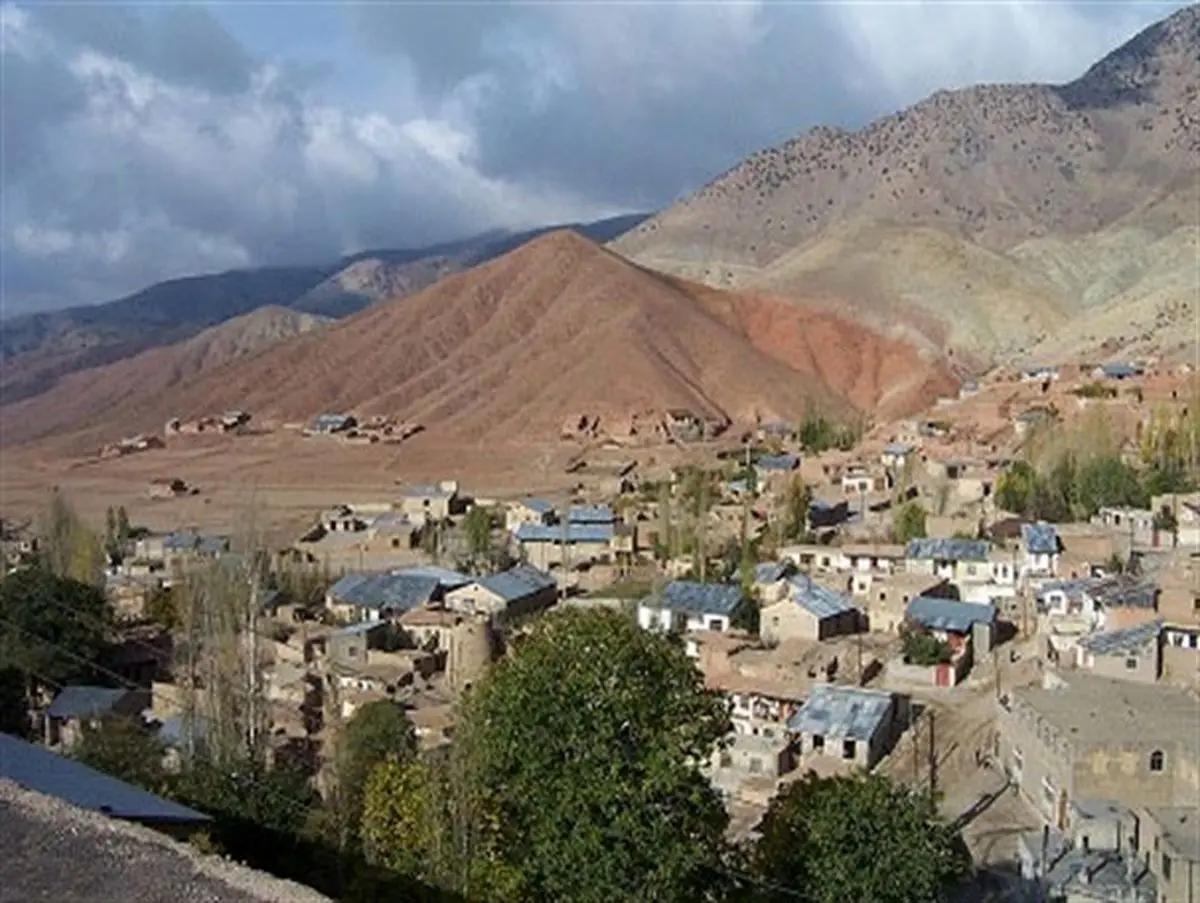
897, 448
770, 572
948, 549
777, 462
196, 542
846, 713
518, 582
697, 598
1040, 538
569, 533
332, 421
80, 701
1127, 639
426, 492
538, 506
447, 578
590, 514
1120, 371
359, 629
949, 615
73, 782
386, 592
820, 601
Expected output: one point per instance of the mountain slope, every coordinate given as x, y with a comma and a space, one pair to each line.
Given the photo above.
103, 394
510, 351
954, 183
38, 349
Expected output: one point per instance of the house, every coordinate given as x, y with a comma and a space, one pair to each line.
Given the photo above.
328, 424
1032, 419
77, 705
1079, 736
846, 724
1053, 867
957, 560
968, 389
750, 756
430, 503
1119, 371
546, 546
810, 612
519, 591
968, 629
769, 465
885, 598
1137, 523
1169, 840
168, 488
1039, 374
1040, 547
528, 511
860, 481
341, 519
771, 580
38, 769
1129, 653
896, 454
691, 606
372, 597
181, 548
348, 646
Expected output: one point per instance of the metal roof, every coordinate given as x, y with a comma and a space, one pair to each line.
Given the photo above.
897, 448
427, 492
848, 713
1040, 538
777, 462
73, 782
332, 421
1127, 639
196, 542
1124, 591
770, 572
948, 549
538, 506
818, 600
81, 701
359, 629
518, 582
1074, 590
447, 578
559, 533
171, 730
693, 597
590, 514
949, 615
386, 592
1120, 370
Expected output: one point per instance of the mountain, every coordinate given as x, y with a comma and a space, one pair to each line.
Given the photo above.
38, 349
555, 331
950, 220
103, 394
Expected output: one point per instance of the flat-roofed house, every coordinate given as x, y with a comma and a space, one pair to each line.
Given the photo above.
372, 597
430, 503
810, 612
846, 724
690, 605
547, 546
528, 511
1040, 548
1128, 653
957, 560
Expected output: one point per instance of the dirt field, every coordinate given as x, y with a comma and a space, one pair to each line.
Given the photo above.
283, 478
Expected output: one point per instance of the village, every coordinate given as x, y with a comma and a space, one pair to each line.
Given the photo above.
865, 604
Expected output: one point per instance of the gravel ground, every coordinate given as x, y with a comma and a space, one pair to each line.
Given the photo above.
56, 852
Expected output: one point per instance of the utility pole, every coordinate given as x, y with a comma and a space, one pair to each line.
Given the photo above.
252, 627
932, 758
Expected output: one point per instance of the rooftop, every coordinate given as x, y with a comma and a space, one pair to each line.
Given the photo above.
1180, 829
1088, 710
386, 592
818, 600
1040, 539
948, 549
538, 506
196, 542
518, 582
1125, 640
447, 578
590, 514
949, 615
39, 769
565, 532
692, 597
80, 701
427, 492
777, 462
848, 713
770, 571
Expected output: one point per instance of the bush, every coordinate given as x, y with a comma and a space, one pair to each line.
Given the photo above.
921, 648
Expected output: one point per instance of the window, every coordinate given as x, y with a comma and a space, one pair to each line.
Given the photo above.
756, 765
1156, 760
1166, 869
1131, 663
849, 749
726, 760
716, 624
818, 742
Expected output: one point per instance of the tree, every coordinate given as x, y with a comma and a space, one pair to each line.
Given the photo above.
397, 817
922, 648
51, 627
124, 748
1015, 488
909, 522
859, 839
590, 737
14, 708
66, 546
795, 512
124, 530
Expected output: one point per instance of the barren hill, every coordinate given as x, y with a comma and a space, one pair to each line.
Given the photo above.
104, 394
915, 215
555, 331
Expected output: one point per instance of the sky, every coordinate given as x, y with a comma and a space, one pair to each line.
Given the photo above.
148, 141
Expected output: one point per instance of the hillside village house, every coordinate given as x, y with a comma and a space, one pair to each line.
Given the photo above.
1130, 653
1041, 547
691, 606
896, 455
517, 592
430, 503
1080, 737
808, 611
78, 705
859, 481
771, 581
372, 597
329, 424
850, 725
968, 628
972, 564
181, 549
528, 511
589, 534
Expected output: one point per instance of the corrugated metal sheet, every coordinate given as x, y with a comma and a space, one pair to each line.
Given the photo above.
518, 582
693, 597
447, 578
590, 514
385, 592
770, 572
80, 701
1040, 538
845, 713
819, 600
948, 549
949, 615
569, 533
777, 462
45, 772
1128, 639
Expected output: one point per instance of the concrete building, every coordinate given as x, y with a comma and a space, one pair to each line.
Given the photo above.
847, 724
528, 511
1130, 653
79, 705
430, 503
957, 560
1169, 840
520, 591
1079, 736
1040, 548
807, 611
691, 606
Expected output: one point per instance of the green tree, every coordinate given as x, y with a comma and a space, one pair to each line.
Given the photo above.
590, 737
746, 614
51, 627
124, 748
858, 839
922, 648
398, 816
478, 528
1015, 488
66, 546
795, 510
909, 522
14, 707
124, 530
